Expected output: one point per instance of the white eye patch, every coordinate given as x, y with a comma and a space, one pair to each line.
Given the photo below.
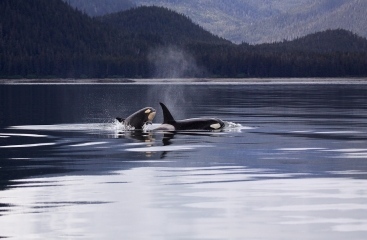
151, 116
148, 111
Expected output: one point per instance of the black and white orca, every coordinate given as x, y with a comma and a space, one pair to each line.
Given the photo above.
206, 124
139, 119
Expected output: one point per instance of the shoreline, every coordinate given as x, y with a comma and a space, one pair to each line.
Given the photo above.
190, 81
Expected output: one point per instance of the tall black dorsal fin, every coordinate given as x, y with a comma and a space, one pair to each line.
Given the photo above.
167, 116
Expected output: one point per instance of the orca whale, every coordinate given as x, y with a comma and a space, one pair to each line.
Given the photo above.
170, 124
139, 119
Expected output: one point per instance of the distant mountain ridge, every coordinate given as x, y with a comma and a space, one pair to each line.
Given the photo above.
265, 21
252, 21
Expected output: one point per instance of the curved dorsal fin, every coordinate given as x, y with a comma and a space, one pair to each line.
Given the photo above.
167, 116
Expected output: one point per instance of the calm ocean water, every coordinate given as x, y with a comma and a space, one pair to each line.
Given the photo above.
292, 164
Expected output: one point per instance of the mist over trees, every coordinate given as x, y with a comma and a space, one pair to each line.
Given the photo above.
101, 7
50, 39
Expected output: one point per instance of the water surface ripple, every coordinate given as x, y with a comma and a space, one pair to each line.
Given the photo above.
291, 163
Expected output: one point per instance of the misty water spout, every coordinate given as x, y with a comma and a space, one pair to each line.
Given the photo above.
174, 62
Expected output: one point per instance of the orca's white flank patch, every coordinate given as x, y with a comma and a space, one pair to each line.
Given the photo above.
166, 127
215, 126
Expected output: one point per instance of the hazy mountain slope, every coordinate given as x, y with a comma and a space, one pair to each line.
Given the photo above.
100, 7
161, 23
220, 17
351, 16
258, 21
321, 15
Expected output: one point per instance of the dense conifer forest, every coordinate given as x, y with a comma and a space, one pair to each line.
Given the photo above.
50, 39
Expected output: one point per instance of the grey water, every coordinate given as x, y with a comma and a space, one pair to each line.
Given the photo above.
291, 164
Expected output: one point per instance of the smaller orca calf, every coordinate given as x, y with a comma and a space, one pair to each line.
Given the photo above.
170, 124
139, 119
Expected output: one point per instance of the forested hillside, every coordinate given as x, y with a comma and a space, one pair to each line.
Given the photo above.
165, 24
328, 41
47, 38
50, 39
